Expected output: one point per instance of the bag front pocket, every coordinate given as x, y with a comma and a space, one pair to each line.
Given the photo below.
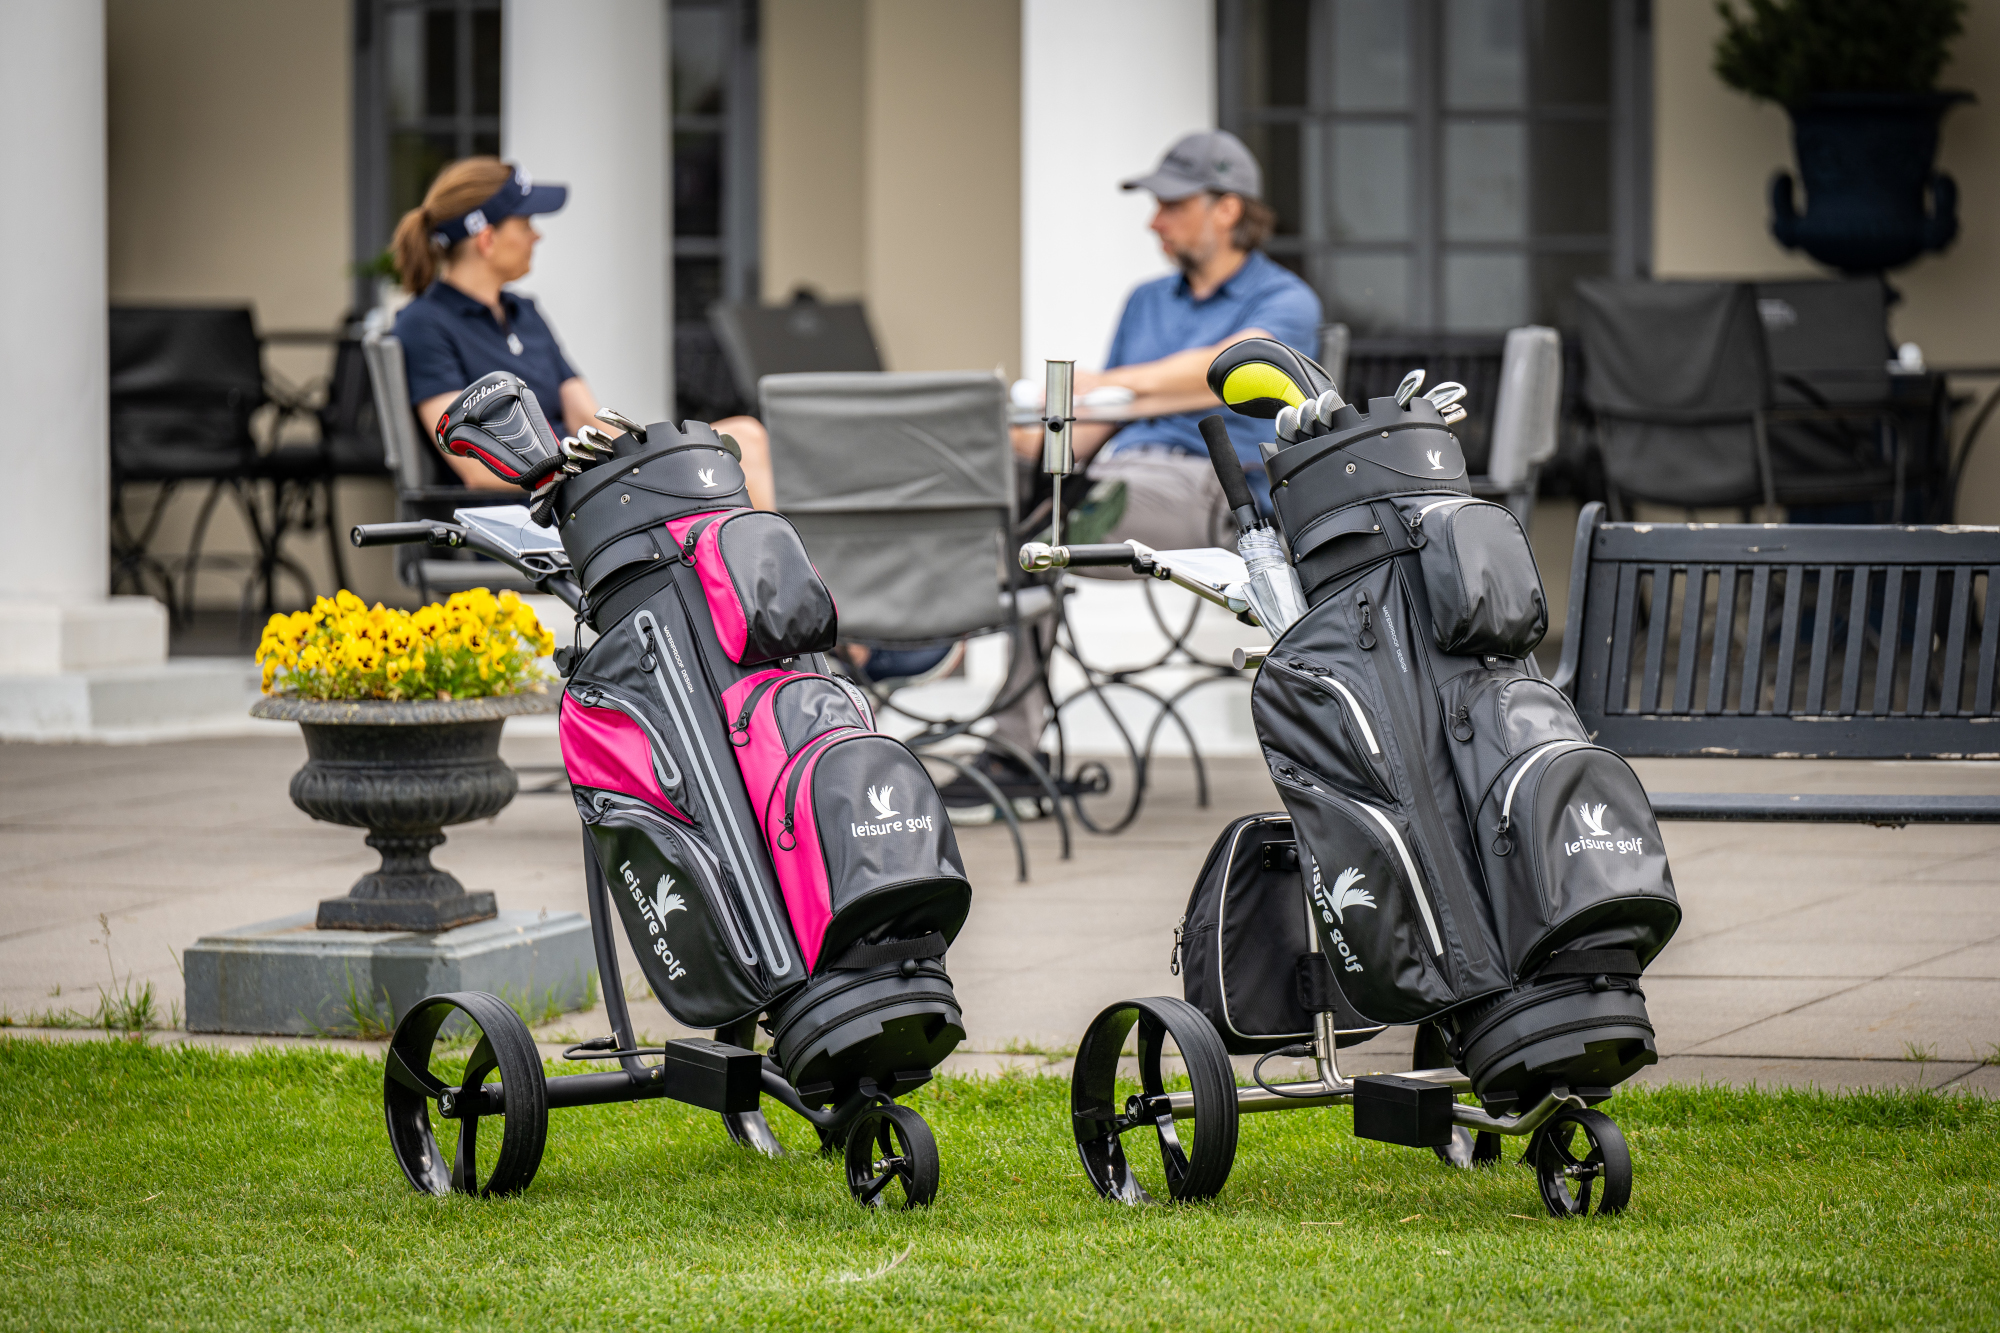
1480, 577
691, 945
1326, 717
1573, 857
763, 593
1370, 901
862, 846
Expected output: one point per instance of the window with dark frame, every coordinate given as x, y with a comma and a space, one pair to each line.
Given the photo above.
1444, 166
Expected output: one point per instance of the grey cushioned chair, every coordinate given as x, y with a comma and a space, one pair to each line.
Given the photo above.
1526, 413
902, 486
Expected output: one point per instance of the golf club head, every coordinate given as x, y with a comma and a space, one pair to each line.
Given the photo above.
1408, 388
1325, 406
1260, 377
623, 423
1287, 424
498, 421
1444, 395
593, 438
1452, 415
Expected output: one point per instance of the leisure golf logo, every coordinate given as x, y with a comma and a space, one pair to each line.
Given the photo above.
1333, 908
653, 911
707, 475
887, 820
1436, 457
1597, 837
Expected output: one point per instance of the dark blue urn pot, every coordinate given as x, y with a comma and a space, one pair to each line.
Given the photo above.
1873, 199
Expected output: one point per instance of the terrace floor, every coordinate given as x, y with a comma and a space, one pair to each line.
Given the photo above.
1842, 956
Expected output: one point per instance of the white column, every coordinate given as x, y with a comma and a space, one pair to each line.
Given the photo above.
584, 103
55, 453
1106, 86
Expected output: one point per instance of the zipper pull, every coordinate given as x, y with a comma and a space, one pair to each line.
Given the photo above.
741, 726
784, 833
1503, 844
1417, 537
1367, 639
1174, 960
1461, 723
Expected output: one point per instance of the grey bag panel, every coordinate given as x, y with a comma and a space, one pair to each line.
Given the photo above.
888, 442
1480, 579
923, 576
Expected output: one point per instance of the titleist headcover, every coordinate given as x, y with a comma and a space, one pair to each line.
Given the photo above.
498, 421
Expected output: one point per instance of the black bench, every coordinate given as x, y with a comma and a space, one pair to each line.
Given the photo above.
1788, 641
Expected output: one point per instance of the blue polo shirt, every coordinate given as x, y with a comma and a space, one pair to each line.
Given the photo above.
1163, 317
449, 340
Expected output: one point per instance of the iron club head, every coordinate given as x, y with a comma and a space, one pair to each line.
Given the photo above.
1326, 405
1287, 424
1444, 395
593, 438
622, 422
1408, 388
1452, 415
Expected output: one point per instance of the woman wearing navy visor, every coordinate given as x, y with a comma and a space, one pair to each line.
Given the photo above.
457, 251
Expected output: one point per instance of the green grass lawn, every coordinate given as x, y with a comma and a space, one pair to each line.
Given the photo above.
174, 1187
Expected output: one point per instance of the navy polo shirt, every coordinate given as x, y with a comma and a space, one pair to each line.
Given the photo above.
1163, 317
449, 340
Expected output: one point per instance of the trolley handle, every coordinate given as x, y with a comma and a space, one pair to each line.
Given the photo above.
434, 532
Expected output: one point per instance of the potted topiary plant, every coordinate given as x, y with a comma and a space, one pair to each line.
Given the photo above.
402, 712
1859, 80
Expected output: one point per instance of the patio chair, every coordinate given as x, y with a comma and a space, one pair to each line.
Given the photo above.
425, 486
185, 382
902, 486
1526, 411
1676, 378
803, 336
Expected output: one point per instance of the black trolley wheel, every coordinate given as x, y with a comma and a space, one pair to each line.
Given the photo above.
890, 1144
1100, 1123
1466, 1149
412, 1095
1577, 1154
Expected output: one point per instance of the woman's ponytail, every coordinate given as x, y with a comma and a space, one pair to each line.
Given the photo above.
458, 189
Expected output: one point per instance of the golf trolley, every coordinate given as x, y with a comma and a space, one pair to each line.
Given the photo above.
1447, 857
719, 777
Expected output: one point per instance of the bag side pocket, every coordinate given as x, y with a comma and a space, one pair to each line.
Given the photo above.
1484, 589
765, 597
693, 950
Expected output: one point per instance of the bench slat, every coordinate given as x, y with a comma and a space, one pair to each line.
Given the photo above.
1881, 810
1822, 634
1891, 640
1694, 592
1788, 639
1920, 645
1857, 635
1989, 640
1617, 691
1954, 641
1725, 634
1753, 643
1659, 610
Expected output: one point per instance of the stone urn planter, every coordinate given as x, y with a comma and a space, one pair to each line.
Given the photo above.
404, 771
1873, 200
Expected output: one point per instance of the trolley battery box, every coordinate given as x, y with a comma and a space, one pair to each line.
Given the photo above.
712, 1075
1406, 1111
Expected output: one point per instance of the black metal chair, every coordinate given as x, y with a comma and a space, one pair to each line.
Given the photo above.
804, 336
185, 382
426, 487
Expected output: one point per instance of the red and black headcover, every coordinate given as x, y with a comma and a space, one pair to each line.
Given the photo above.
498, 422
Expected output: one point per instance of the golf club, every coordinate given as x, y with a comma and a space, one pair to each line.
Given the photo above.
622, 422
1408, 388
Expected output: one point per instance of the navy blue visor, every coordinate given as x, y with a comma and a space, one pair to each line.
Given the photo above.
517, 198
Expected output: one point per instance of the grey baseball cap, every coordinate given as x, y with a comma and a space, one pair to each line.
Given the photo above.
1207, 160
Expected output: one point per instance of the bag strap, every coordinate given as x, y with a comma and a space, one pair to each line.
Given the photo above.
1592, 963
895, 951
1320, 993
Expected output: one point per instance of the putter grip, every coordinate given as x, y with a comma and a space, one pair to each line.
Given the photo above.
1228, 468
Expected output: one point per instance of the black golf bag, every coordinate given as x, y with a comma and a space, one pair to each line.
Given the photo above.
1469, 855
768, 850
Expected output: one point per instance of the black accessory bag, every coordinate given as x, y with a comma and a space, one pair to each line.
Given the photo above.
1245, 947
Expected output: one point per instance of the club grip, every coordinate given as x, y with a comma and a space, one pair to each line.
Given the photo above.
1228, 468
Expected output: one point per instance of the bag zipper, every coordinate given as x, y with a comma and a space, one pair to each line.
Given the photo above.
741, 726
725, 911
1416, 521
1296, 777
603, 696
797, 768
1502, 843
735, 847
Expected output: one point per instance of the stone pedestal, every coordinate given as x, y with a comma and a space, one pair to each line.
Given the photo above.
285, 976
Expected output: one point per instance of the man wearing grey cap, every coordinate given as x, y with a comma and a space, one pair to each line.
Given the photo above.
1211, 222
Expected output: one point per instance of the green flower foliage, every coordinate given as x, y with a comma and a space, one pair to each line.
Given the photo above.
1788, 51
